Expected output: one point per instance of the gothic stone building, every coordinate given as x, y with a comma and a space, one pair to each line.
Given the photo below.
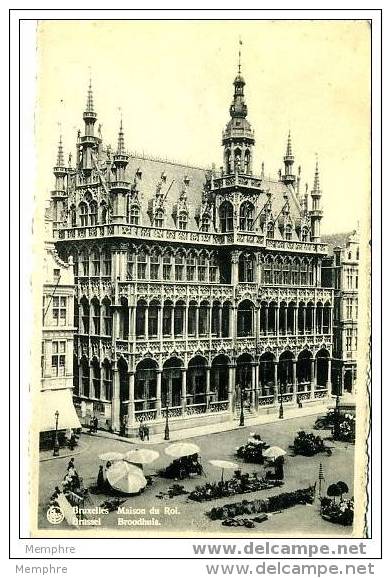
194, 288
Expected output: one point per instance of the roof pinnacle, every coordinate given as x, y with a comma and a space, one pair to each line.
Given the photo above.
60, 153
289, 145
316, 187
90, 99
121, 139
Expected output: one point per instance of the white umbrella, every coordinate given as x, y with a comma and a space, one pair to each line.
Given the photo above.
126, 478
274, 452
181, 449
141, 456
224, 465
111, 457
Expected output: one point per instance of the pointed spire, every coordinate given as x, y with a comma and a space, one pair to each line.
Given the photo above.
60, 153
90, 99
289, 145
240, 56
316, 187
121, 140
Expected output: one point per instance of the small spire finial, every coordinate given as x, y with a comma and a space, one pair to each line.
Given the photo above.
90, 98
60, 153
316, 188
289, 145
121, 139
240, 55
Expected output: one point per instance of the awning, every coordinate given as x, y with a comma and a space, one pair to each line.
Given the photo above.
60, 400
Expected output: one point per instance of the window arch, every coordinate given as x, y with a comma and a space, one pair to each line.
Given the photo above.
246, 216
247, 158
93, 213
159, 219
228, 161
95, 262
205, 223
83, 214
141, 265
133, 215
72, 213
246, 268
270, 230
182, 221
103, 213
226, 213
305, 234
288, 232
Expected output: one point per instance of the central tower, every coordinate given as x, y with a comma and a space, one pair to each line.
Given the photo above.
238, 136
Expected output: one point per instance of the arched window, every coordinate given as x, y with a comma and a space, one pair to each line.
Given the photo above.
95, 260
72, 213
205, 223
141, 265
305, 234
106, 263
155, 265
84, 264
288, 232
270, 230
182, 221
93, 213
167, 266
246, 268
107, 380
245, 318
103, 213
202, 267
213, 266
277, 272
226, 217
228, 161
267, 271
179, 266
134, 215
247, 162
95, 316
159, 219
107, 317
130, 266
246, 219
83, 213
190, 267
295, 272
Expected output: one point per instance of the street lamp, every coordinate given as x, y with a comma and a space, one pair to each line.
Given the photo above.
336, 431
56, 448
167, 428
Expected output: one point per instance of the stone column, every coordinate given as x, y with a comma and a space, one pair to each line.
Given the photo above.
256, 385
231, 385
183, 392
160, 322
295, 314
286, 319
219, 334
207, 388
115, 402
146, 322
304, 320
158, 393
253, 385
197, 321
172, 322
276, 320
312, 381
294, 379
328, 383
314, 319
131, 414
267, 319
321, 320
275, 382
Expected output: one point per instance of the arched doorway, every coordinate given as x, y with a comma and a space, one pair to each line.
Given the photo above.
172, 382
322, 368
219, 377
123, 387
285, 372
245, 325
196, 381
266, 373
303, 370
145, 385
348, 381
244, 383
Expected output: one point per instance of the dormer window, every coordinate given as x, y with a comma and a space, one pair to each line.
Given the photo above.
83, 211
134, 215
304, 234
159, 218
288, 232
270, 230
205, 223
182, 221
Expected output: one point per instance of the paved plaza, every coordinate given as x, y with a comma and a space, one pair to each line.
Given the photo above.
185, 515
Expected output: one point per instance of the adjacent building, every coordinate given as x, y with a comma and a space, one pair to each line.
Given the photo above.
57, 342
194, 289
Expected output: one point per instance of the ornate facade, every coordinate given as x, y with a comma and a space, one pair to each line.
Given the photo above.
193, 287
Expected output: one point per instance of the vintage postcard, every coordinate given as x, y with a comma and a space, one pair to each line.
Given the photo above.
202, 269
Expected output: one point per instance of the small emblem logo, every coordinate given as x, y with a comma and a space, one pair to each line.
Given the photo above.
55, 515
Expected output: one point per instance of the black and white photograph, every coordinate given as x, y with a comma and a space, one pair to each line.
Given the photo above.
201, 357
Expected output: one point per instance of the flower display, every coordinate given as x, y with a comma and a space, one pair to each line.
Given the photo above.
308, 444
239, 484
252, 450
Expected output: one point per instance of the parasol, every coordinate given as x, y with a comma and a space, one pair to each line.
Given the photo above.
126, 478
274, 452
224, 465
181, 449
141, 456
111, 457
328, 444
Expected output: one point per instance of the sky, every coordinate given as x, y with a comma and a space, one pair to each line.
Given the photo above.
172, 83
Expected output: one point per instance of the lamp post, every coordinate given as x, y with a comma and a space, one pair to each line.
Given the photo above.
56, 448
336, 432
167, 428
